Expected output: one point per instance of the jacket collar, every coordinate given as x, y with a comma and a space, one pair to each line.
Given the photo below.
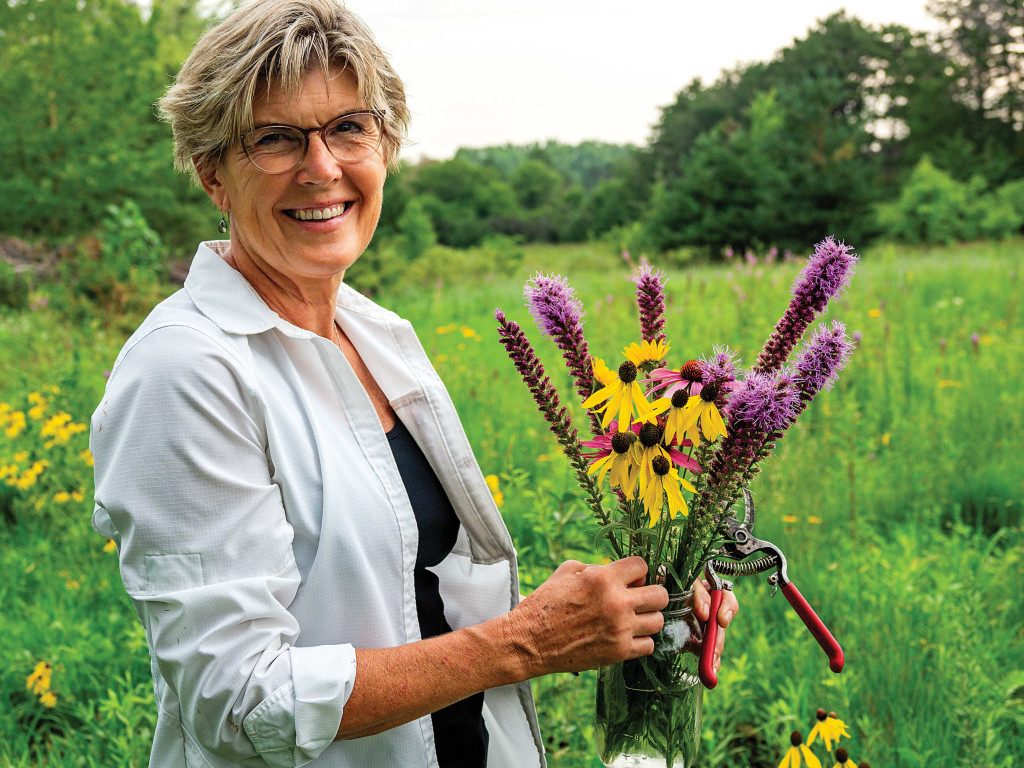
222, 294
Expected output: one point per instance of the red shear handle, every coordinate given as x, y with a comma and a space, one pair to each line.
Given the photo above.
820, 631
707, 651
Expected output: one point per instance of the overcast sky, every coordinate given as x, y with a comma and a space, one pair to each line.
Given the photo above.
485, 72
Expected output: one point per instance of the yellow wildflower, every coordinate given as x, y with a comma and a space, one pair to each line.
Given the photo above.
62, 497
39, 681
77, 495
789, 518
15, 423
110, 546
829, 727
621, 398
48, 700
492, 484
468, 333
843, 759
796, 752
647, 352
875, 313
814, 520
602, 373
701, 409
664, 483
945, 383
20, 456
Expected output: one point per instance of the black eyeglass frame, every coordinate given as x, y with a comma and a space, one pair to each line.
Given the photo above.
245, 140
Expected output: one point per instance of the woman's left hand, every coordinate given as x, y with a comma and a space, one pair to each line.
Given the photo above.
726, 612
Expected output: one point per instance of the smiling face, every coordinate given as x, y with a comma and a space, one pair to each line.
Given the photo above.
314, 221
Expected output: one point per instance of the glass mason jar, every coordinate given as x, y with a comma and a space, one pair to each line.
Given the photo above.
649, 709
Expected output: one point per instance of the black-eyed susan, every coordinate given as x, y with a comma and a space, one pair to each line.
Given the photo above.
603, 375
646, 352
39, 681
48, 700
662, 483
622, 398
701, 410
615, 453
799, 754
843, 759
829, 727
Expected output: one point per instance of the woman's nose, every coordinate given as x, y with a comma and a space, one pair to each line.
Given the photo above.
319, 165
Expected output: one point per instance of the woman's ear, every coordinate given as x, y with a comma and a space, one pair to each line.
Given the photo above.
209, 176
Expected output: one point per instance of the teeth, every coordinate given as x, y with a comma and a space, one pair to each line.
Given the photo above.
319, 214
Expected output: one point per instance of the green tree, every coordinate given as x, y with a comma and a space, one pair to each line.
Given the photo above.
986, 39
77, 129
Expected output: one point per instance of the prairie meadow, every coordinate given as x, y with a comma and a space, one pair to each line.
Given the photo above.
898, 499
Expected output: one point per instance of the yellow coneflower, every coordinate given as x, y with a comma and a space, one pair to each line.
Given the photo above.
663, 482
615, 454
675, 423
797, 752
701, 409
621, 398
829, 727
843, 759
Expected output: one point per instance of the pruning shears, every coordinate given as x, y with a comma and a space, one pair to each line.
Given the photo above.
732, 559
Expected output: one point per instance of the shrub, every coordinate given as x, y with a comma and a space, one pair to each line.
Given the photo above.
933, 207
14, 287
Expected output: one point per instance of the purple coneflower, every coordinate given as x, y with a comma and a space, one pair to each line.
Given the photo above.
559, 315
826, 276
650, 298
688, 378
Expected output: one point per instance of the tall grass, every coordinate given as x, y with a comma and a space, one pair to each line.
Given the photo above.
911, 465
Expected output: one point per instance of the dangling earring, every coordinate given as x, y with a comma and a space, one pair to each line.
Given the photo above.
223, 226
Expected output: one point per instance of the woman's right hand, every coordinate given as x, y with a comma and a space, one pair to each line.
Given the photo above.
588, 616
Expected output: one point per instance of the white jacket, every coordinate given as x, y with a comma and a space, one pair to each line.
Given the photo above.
264, 531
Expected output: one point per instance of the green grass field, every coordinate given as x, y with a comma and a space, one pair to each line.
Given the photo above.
898, 499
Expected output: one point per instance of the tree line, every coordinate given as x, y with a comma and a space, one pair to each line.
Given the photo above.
854, 129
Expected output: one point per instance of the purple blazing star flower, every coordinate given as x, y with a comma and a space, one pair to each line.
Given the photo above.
826, 276
650, 298
823, 358
721, 367
559, 315
768, 401
553, 304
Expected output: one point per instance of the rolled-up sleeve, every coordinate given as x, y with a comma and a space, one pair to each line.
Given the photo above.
184, 480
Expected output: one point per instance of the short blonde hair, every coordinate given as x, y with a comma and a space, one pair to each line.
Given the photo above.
267, 42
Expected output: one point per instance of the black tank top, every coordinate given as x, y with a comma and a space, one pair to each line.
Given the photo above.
460, 736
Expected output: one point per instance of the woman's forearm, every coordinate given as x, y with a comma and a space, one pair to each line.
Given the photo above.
394, 686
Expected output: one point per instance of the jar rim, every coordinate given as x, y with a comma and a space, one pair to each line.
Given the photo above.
683, 602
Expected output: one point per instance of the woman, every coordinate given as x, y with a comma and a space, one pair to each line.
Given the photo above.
295, 502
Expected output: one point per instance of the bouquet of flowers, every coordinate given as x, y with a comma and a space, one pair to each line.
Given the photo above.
676, 443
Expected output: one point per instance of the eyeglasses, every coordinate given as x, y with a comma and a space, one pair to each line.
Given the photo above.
349, 138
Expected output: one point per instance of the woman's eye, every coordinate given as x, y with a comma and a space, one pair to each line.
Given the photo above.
273, 140
348, 128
